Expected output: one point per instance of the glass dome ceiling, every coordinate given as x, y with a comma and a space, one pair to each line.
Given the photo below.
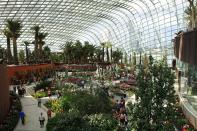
132, 25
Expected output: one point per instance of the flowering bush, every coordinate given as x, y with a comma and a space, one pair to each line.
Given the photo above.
54, 105
40, 94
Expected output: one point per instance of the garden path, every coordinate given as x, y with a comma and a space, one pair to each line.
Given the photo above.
32, 111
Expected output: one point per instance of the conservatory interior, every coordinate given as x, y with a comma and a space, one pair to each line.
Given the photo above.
98, 65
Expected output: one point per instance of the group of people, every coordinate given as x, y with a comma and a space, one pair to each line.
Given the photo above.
20, 89
41, 118
119, 111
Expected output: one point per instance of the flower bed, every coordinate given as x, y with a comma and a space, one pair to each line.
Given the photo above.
73, 80
182, 123
88, 74
76, 68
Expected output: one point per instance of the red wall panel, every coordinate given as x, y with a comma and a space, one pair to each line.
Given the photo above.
4, 93
13, 69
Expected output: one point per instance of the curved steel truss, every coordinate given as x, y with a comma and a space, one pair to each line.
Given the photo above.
140, 25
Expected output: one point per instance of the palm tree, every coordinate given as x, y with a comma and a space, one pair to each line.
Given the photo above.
7, 34
36, 30
41, 37
27, 43
14, 27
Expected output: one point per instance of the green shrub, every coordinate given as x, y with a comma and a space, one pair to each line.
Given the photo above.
74, 121
42, 85
40, 94
86, 103
81, 111
102, 122
48, 104
70, 121
54, 105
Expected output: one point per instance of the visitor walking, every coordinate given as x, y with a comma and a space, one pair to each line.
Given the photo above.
22, 117
14, 89
23, 91
49, 113
41, 119
39, 102
49, 93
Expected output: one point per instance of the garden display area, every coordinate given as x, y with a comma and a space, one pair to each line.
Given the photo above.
100, 99
98, 65
93, 93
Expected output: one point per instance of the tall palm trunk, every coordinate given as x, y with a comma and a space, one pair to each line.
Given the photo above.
107, 52
103, 55
9, 54
36, 47
15, 51
27, 54
111, 53
40, 51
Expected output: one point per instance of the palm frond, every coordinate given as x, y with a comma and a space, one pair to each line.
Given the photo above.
14, 27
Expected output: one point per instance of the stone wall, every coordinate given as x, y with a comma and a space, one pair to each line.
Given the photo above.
4, 92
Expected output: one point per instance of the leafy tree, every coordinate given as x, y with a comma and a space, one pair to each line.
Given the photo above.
21, 56
155, 107
77, 51
68, 51
55, 57
88, 52
98, 54
14, 27
47, 53
117, 56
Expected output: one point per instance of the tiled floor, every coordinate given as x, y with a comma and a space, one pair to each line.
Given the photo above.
32, 112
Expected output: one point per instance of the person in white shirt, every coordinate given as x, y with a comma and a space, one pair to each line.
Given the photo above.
41, 119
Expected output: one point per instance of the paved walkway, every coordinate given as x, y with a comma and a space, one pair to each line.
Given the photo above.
32, 111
